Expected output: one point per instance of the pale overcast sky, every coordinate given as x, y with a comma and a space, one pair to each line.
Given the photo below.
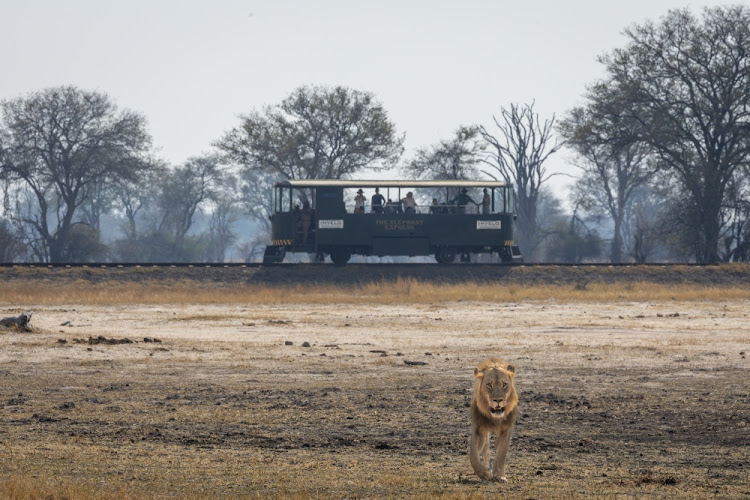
191, 67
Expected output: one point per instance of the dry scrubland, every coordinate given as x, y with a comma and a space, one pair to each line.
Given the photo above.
351, 383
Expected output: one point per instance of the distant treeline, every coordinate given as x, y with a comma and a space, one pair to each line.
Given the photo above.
662, 144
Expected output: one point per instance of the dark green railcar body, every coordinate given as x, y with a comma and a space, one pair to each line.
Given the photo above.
326, 227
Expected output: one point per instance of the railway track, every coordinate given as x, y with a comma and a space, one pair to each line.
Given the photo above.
120, 265
305, 274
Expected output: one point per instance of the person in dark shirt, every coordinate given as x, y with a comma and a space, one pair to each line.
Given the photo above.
377, 202
306, 221
435, 208
462, 200
486, 202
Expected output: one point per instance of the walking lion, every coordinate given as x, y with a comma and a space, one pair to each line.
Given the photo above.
494, 408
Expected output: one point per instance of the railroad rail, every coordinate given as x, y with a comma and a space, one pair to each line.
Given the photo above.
116, 265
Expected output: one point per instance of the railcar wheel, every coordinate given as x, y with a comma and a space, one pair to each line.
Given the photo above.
340, 256
505, 255
445, 255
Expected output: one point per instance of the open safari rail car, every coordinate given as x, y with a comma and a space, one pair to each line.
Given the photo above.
342, 218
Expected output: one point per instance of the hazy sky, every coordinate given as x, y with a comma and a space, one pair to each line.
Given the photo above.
191, 67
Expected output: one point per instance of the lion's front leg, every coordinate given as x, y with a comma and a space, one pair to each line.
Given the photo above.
503, 441
479, 443
484, 453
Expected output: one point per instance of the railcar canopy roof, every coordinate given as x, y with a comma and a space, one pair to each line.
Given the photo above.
315, 183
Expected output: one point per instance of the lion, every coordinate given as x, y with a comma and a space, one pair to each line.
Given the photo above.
494, 408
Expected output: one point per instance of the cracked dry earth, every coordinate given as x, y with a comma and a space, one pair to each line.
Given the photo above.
619, 399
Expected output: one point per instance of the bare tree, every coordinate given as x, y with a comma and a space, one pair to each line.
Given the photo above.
133, 197
642, 229
517, 155
183, 192
223, 217
612, 166
572, 241
11, 244
20, 206
735, 238
252, 250
255, 193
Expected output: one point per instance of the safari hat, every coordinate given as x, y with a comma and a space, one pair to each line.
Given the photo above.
360, 191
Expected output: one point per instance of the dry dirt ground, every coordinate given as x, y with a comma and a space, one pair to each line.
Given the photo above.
620, 399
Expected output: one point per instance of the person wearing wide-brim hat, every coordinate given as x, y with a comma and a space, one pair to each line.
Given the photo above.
462, 200
359, 202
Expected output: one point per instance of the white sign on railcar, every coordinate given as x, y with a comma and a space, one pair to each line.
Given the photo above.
488, 224
331, 224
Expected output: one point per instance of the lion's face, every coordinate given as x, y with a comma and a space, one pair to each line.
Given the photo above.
495, 393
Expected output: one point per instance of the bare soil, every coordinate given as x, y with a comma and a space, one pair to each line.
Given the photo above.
617, 399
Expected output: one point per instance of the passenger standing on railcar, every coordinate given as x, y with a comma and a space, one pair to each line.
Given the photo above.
306, 220
359, 202
435, 208
485, 202
377, 202
297, 219
409, 203
389, 209
462, 200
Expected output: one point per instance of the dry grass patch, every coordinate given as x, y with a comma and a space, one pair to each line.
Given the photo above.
32, 488
399, 291
208, 317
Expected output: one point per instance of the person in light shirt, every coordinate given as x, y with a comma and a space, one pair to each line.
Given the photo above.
359, 202
409, 203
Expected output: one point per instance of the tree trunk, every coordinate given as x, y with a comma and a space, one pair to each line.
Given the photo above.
20, 322
708, 240
708, 227
616, 255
